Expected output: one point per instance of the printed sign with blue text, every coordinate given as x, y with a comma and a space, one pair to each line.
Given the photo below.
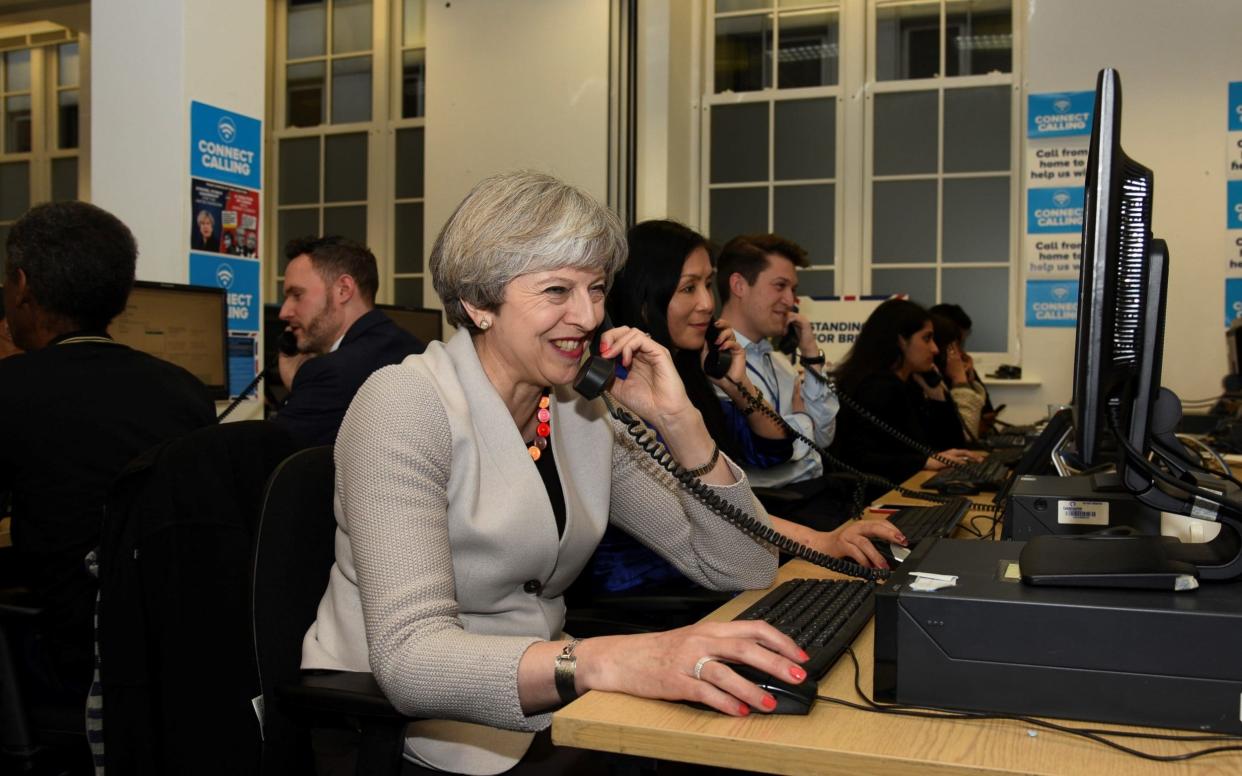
1059, 114
1233, 147
1234, 196
225, 146
1233, 300
240, 280
1052, 303
1052, 211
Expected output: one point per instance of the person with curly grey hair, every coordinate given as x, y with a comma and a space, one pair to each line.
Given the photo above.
473, 484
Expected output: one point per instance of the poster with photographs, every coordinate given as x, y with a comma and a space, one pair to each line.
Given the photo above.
225, 219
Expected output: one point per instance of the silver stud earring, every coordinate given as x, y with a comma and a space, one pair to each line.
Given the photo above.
485, 324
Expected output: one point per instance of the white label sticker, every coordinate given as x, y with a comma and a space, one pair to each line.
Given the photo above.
1082, 512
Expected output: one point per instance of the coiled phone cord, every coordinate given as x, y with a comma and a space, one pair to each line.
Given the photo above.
646, 441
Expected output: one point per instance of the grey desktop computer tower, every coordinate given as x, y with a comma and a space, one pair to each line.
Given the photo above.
1038, 506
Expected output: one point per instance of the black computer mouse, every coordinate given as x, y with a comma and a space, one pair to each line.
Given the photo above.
957, 488
790, 698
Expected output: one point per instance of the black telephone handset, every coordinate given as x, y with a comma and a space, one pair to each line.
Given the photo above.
596, 371
287, 343
788, 343
717, 362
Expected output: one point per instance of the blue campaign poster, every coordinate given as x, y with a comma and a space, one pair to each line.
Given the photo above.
1235, 106
1052, 303
239, 278
1054, 210
1233, 300
1059, 114
225, 146
242, 364
1234, 216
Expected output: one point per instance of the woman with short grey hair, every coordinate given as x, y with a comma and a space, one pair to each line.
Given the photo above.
474, 483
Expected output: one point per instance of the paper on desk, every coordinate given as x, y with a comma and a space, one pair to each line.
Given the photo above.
926, 582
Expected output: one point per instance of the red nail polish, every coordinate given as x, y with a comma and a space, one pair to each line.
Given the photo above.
797, 673
769, 702
803, 656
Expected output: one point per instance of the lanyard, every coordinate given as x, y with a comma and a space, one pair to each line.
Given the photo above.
88, 338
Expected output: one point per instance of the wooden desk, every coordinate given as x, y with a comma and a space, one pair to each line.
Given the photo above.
6, 536
836, 740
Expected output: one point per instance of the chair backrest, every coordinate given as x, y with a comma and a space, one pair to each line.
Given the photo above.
293, 556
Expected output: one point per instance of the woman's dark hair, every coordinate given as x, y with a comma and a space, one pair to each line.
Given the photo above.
640, 296
945, 332
876, 350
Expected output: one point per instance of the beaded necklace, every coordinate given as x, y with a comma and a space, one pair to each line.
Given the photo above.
537, 445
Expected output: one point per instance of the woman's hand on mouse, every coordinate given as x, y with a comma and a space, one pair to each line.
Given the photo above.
662, 665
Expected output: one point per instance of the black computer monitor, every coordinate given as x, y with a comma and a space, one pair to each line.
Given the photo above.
186, 325
426, 324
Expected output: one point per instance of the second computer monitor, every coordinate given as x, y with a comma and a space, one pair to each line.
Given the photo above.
182, 324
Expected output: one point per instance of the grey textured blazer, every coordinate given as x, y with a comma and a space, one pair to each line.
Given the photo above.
443, 520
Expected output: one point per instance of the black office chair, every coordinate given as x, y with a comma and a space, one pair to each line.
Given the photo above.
37, 735
293, 556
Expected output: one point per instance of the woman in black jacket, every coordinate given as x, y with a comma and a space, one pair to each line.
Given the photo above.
884, 374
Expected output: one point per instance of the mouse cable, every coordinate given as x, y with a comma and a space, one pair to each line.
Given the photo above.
645, 439
1098, 735
757, 403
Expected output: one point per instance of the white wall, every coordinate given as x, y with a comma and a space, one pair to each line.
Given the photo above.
1175, 61
149, 59
514, 85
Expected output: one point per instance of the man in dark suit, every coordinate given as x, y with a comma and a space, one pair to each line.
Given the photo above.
77, 407
330, 286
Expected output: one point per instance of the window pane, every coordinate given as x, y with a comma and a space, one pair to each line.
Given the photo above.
744, 53
67, 68
17, 125
740, 143
307, 25
408, 234
806, 139
303, 222
738, 211
14, 190
976, 129
976, 219
409, 182
980, 37
408, 292
299, 170
67, 119
17, 71
906, 133
65, 179
345, 167
808, 49
907, 41
351, 90
984, 293
904, 225
413, 83
807, 215
414, 18
918, 284
816, 283
304, 95
351, 26
349, 221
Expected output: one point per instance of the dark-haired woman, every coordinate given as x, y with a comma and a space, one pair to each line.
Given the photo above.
879, 373
665, 290
955, 366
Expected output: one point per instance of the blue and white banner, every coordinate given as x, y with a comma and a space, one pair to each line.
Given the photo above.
1233, 300
1233, 216
1052, 303
239, 278
1054, 210
1235, 106
1059, 114
225, 146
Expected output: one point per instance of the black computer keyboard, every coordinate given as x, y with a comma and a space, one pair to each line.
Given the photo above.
988, 474
1003, 441
822, 615
918, 523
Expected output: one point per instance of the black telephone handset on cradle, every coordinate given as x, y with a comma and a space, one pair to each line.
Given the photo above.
591, 382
